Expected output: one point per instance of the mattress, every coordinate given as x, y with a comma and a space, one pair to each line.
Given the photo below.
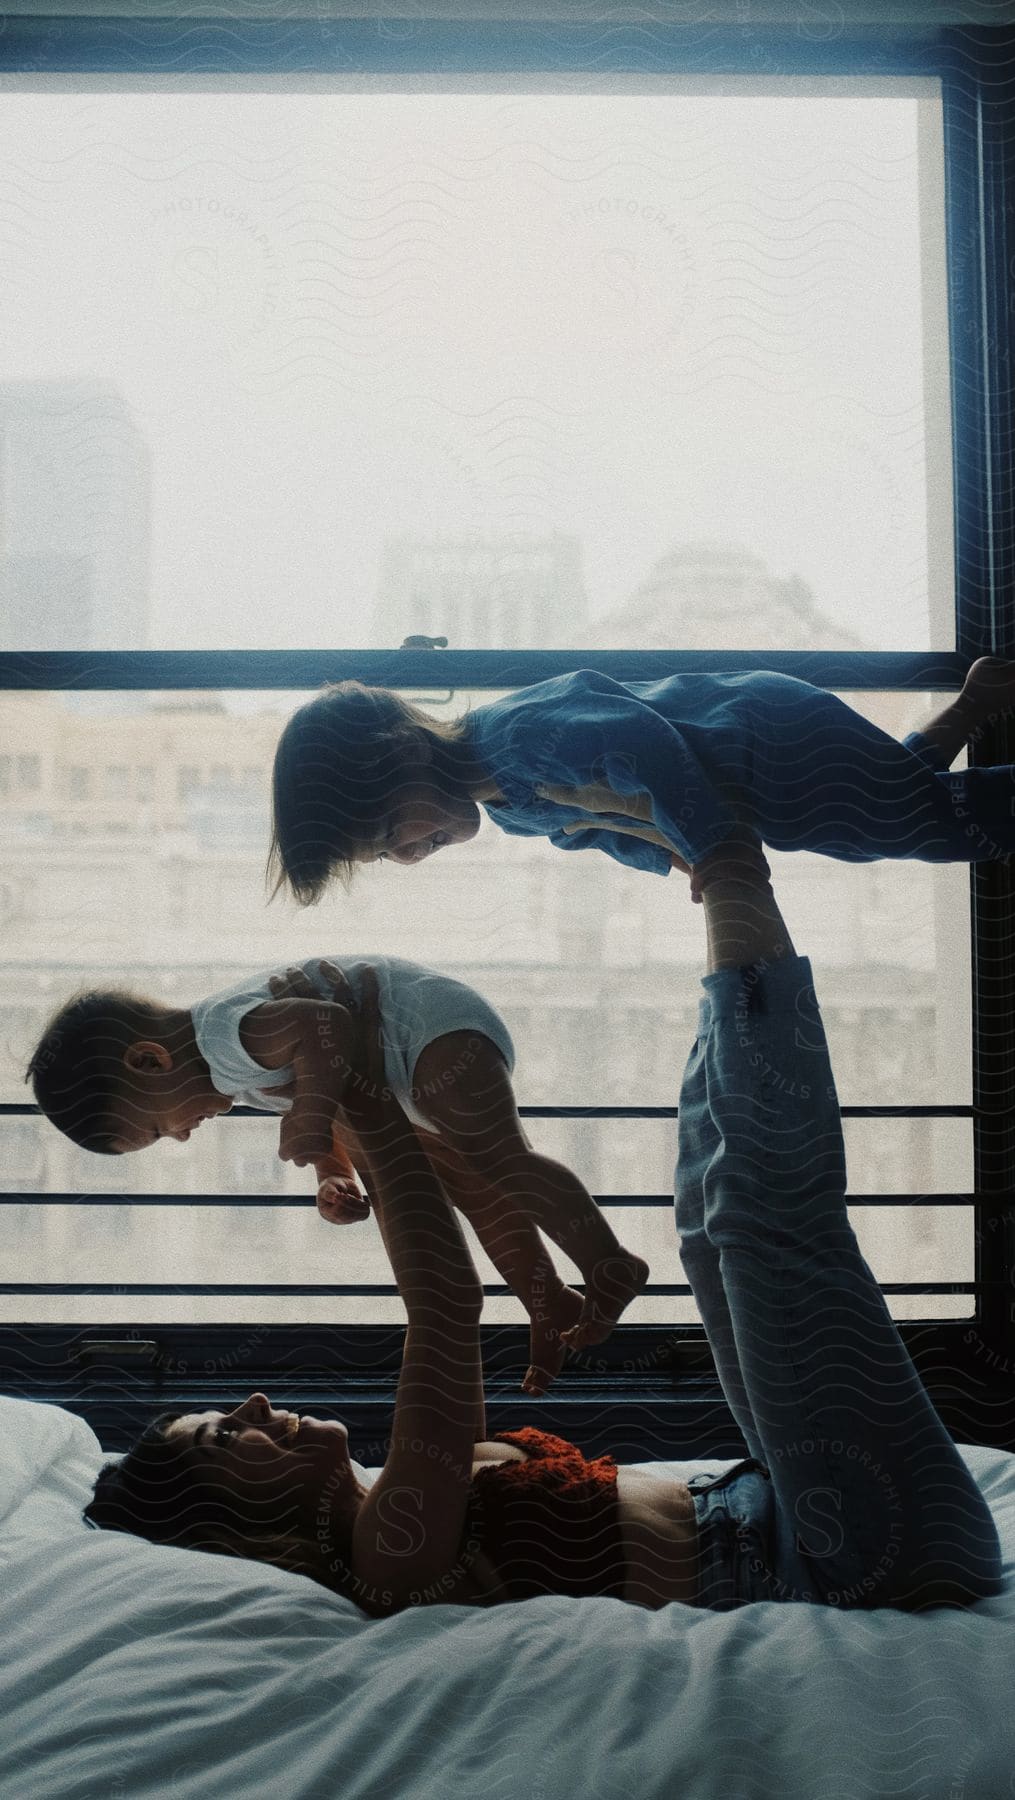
131, 1670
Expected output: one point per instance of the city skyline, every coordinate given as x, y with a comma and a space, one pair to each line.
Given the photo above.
638, 320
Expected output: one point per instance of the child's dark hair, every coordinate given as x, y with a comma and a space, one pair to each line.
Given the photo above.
337, 769
77, 1069
157, 1492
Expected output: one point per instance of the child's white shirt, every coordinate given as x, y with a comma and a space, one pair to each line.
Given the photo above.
417, 1004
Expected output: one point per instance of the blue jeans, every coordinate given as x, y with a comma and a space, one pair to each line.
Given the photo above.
853, 1494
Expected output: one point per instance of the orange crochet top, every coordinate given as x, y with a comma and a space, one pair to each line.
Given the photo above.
549, 1524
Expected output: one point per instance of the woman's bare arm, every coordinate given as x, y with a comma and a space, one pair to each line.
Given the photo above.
409, 1528
382, 1210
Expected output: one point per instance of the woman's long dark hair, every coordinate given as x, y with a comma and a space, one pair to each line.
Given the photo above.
157, 1492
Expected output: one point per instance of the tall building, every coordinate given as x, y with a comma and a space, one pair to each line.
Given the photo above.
709, 595
503, 593
43, 600
75, 501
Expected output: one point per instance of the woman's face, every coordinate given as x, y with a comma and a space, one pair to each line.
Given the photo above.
283, 1465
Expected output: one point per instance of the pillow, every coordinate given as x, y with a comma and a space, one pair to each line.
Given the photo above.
48, 1463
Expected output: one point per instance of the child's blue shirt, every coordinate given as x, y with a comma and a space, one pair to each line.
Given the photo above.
685, 741
791, 761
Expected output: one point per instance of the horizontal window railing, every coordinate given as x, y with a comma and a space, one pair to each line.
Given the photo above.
989, 1201
348, 1289
438, 670
986, 1203
612, 1112
435, 48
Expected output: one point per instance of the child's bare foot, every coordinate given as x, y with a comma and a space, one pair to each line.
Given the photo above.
615, 1282
553, 1316
989, 686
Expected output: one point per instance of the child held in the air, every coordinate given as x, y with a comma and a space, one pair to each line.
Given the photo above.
655, 773
116, 1071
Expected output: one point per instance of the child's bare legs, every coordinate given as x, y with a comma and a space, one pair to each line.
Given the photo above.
556, 1201
519, 1254
476, 1119
340, 1199
517, 1251
528, 1186
511, 1241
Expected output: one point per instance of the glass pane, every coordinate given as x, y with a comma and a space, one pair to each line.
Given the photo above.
595, 969
625, 1157
125, 1244
588, 367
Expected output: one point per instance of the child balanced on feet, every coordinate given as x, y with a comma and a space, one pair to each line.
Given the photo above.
361, 775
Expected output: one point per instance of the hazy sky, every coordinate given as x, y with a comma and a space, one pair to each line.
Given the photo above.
645, 320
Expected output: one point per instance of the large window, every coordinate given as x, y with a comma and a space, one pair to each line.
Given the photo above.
601, 369
588, 365
594, 967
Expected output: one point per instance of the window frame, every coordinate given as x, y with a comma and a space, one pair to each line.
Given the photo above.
116, 1374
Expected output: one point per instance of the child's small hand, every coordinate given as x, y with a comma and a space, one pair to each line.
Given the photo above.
340, 1201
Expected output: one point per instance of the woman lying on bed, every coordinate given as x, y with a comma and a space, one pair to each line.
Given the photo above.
853, 1493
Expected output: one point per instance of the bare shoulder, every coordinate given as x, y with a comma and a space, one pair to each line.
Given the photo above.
265, 1033
273, 1031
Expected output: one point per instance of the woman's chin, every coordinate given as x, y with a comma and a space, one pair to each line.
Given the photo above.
324, 1434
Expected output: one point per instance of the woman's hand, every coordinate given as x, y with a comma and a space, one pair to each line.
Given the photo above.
296, 984
739, 858
647, 832
339, 1079
600, 799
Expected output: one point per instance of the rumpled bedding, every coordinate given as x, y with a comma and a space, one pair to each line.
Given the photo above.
134, 1670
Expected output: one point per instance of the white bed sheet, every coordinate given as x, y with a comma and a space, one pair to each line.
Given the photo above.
133, 1670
